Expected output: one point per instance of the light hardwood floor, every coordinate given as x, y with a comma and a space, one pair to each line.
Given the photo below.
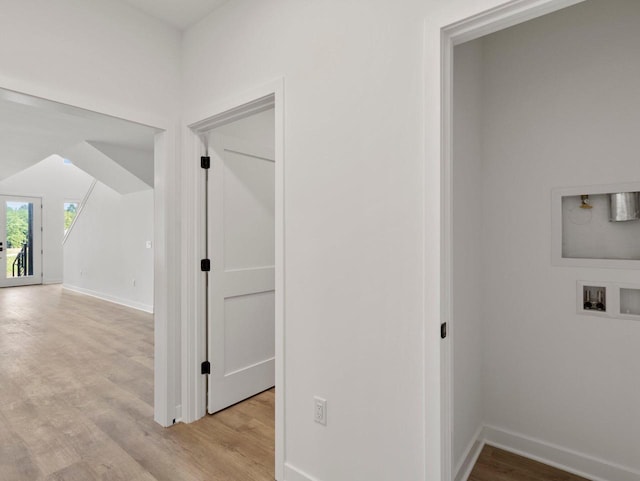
76, 395
498, 465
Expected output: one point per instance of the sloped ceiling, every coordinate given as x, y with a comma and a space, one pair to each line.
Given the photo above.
101, 167
134, 161
32, 129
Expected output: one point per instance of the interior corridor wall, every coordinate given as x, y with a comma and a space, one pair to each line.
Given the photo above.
352, 75
56, 182
362, 216
467, 329
99, 55
106, 254
561, 109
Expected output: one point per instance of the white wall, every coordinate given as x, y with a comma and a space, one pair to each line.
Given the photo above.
561, 108
257, 129
353, 204
105, 254
56, 182
100, 55
467, 328
362, 208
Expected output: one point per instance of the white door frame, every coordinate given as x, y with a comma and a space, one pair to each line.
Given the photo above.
166, 266
439, 137
193, 242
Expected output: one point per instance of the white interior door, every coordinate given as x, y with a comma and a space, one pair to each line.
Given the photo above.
20, 241
242, 278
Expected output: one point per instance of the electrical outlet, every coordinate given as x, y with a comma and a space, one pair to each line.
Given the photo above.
320, 410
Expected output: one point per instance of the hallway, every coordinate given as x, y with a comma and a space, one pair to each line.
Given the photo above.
76, 395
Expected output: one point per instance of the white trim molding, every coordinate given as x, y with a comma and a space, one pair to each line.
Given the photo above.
106, 297
574, 462
193, 341
40, 96
443, 31
472, 453
294, 474
166, 277
502, 17
270, 95
559, 457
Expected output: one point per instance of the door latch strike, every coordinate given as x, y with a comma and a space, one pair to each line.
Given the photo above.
205, 368
443, 330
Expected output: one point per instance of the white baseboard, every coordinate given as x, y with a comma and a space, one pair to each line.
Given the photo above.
468, 461
562, 458
106, 297
292, 473
52, 281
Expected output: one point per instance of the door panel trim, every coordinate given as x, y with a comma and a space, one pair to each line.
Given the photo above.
199, 121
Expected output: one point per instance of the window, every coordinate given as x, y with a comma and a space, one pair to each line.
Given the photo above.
70, 212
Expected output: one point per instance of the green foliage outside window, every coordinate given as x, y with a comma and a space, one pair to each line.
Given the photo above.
70, 212
17, 226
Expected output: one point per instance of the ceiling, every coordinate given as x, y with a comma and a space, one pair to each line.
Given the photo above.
32, 129
179, 13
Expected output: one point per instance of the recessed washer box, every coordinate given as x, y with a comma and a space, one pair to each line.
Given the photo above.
630, 302
586, 233
594, 298
608, 299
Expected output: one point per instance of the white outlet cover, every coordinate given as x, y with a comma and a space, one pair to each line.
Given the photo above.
320, 410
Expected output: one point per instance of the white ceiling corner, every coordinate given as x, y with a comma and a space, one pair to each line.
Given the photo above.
178, 13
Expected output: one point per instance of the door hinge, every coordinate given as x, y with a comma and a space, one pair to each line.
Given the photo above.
205, 265
205, 162
205, 367
443, 330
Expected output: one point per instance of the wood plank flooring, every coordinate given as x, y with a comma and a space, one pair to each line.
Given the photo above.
498, 465
76, 395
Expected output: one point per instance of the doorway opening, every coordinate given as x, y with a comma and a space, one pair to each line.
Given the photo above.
20, 241
515, 129
239, 215
241, 246
36, 183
